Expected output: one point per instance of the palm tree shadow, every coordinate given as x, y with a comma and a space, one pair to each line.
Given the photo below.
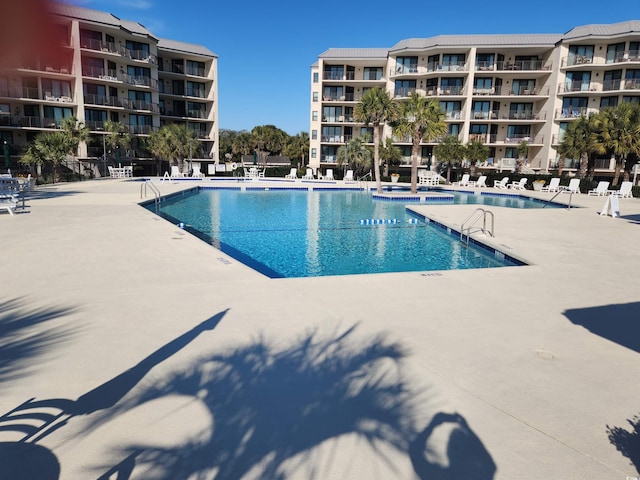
627, 442
270, 405
24, 336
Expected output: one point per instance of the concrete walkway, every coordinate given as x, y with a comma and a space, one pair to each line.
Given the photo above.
169, 359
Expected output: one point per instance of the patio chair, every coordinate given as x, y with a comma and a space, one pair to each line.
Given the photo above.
554, 185
601, 190
625, 190
481, 182
574, 186
464, 181
175, 172
293, 174
308, 175
328, 174
519, 185
502, 183
196, 172
348, 176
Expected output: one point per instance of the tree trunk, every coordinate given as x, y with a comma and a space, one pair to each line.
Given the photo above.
584, 162
376, 156
415, 149
616, 175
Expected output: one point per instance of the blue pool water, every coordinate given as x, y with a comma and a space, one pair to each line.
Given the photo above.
318, 233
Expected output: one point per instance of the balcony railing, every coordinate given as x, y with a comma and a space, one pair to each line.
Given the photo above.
573, 112
405, 69
333, 75
20, 92
453, 115
49, 97
609, 85
140, 129
197, 113
632, 84
485, 66
577, 86
522, 65
196, 71
103, 100
523, 137
451, 90
403, 92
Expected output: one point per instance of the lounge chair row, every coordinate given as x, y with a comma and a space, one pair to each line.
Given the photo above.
328, 175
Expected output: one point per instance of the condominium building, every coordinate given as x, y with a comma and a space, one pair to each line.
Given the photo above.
117, 70
499, 89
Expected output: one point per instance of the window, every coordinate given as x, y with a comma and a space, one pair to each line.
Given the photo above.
92, 67
333, 72
480, 109
55, 115
195, 68
139, 51
56, 88
177, 87
522, 132
482, 85
142, 96
367, 132
406, 64
314, 152
140, 123
608, 102
314, 134
90, 39
95, 115
315, 96
314, 116
453, 129
611, 80
332, 114
372, 73
484, 61
453, 61
580, 54
177, 65
333, 93
195, 89
634, 51
196, 110
632, 79
451, 109
331, 134
526, 86
615, 52
404, 87
522, 111
139, 71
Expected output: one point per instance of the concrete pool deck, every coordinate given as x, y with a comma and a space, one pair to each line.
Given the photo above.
174, 359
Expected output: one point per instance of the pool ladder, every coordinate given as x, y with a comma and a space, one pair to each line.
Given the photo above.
471, 220
154, 189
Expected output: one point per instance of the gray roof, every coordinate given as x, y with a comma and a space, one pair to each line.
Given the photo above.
97, 16
604, 30
517, 40
184, 47
355, 53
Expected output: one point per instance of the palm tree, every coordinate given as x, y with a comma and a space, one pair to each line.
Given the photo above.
476, 151
579, 141
297, 147
355, 154
118, 136
619, 133
51, 148
523, 151
242, 144
420, 118
389, 154
449, 150
174, 142
376, 107
269, 140
75, 132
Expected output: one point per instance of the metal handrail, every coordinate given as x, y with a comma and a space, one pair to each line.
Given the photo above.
558, 193
473, 218
154, 189
362, 179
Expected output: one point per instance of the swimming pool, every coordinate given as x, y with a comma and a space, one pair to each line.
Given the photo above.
284, 233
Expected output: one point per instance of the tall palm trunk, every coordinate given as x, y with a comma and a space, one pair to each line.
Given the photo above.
584, 162
619, 169
376, 156
415, 150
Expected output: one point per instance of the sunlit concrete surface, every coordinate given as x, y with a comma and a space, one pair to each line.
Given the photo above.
166, 358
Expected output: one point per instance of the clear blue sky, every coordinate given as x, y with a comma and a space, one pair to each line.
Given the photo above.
266, 48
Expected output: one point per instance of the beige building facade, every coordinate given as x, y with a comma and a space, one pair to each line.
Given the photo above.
500, 89
117, 70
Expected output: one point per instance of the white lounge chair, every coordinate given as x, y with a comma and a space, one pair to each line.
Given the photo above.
519, 185
574, 186
601, 190
464, 181
328, 174
8, 203
625, 190
308, 175
554, 185
196, 172
293, 174
428, 178
481, 182
348, 176
175, 172
502, 183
